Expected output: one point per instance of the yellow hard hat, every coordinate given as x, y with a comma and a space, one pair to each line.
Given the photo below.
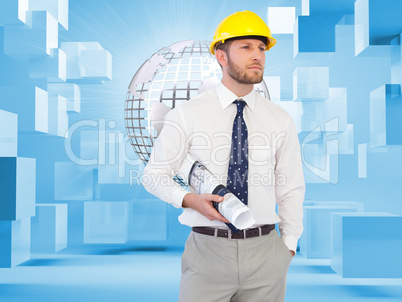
242, 24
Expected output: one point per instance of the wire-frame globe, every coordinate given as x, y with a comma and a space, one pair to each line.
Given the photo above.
172, 75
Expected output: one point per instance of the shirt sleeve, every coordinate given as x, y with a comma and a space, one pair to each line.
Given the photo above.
164, 163
289, 186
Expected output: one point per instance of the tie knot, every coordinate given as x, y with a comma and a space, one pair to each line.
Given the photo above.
240, 105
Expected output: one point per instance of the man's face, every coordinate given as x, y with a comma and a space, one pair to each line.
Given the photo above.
246, 61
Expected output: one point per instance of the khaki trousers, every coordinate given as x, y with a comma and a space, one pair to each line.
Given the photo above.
221, 270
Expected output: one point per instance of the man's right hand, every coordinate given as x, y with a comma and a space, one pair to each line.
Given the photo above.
202, 203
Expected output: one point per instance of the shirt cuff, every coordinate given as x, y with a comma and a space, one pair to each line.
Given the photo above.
290, 242
177, 197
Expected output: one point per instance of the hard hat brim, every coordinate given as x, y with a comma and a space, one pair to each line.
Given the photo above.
269, 41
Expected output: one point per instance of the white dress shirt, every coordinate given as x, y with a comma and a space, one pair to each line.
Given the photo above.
202, 127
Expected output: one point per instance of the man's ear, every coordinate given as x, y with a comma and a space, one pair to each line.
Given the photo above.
221, 57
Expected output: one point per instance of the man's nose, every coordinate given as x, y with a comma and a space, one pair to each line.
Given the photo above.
258, 55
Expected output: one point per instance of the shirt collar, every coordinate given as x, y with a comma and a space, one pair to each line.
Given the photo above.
227, 97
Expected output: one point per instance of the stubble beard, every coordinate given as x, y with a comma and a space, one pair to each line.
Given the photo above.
241, 76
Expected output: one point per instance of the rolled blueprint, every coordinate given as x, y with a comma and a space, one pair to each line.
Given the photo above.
203, 181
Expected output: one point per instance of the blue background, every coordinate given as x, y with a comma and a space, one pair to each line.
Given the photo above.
71, 211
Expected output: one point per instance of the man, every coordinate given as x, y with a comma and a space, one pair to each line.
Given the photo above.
221, 263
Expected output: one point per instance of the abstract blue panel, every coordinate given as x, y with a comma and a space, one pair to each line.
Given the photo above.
72, 51
58, 117
378, 117
363, 251
31, 105
46, 149
385, 163
12, 12
347, 70
53, 68
393, 114
87, 62
396, 55
316, 32
8, 134
323, 169
377, 23
145, 228
72, 182
319, 152
116, 192
362, 160
311, 84
13, 72
35, 38
281, 19
111, 153
114, 173
359, 206
96, 64
282, 50
95, 185
120, 165
15, 242
385, 116
49, 228
112, 168
70, 91
106, 222
92, 148
346, 142
299, 5
329, 116
17, 188
57, 8
360, 76
315, 242
40, 115
75, 223
331, 6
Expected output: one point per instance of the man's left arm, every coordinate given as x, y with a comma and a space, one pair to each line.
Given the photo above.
289, 186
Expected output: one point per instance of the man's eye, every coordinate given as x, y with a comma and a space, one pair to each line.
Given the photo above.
245, 47
262, 48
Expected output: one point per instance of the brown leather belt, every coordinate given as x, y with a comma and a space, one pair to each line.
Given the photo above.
242, 234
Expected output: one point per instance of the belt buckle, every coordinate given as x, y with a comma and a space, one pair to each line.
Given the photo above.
230, 234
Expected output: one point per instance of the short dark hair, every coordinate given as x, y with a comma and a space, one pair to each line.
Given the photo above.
226, 43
